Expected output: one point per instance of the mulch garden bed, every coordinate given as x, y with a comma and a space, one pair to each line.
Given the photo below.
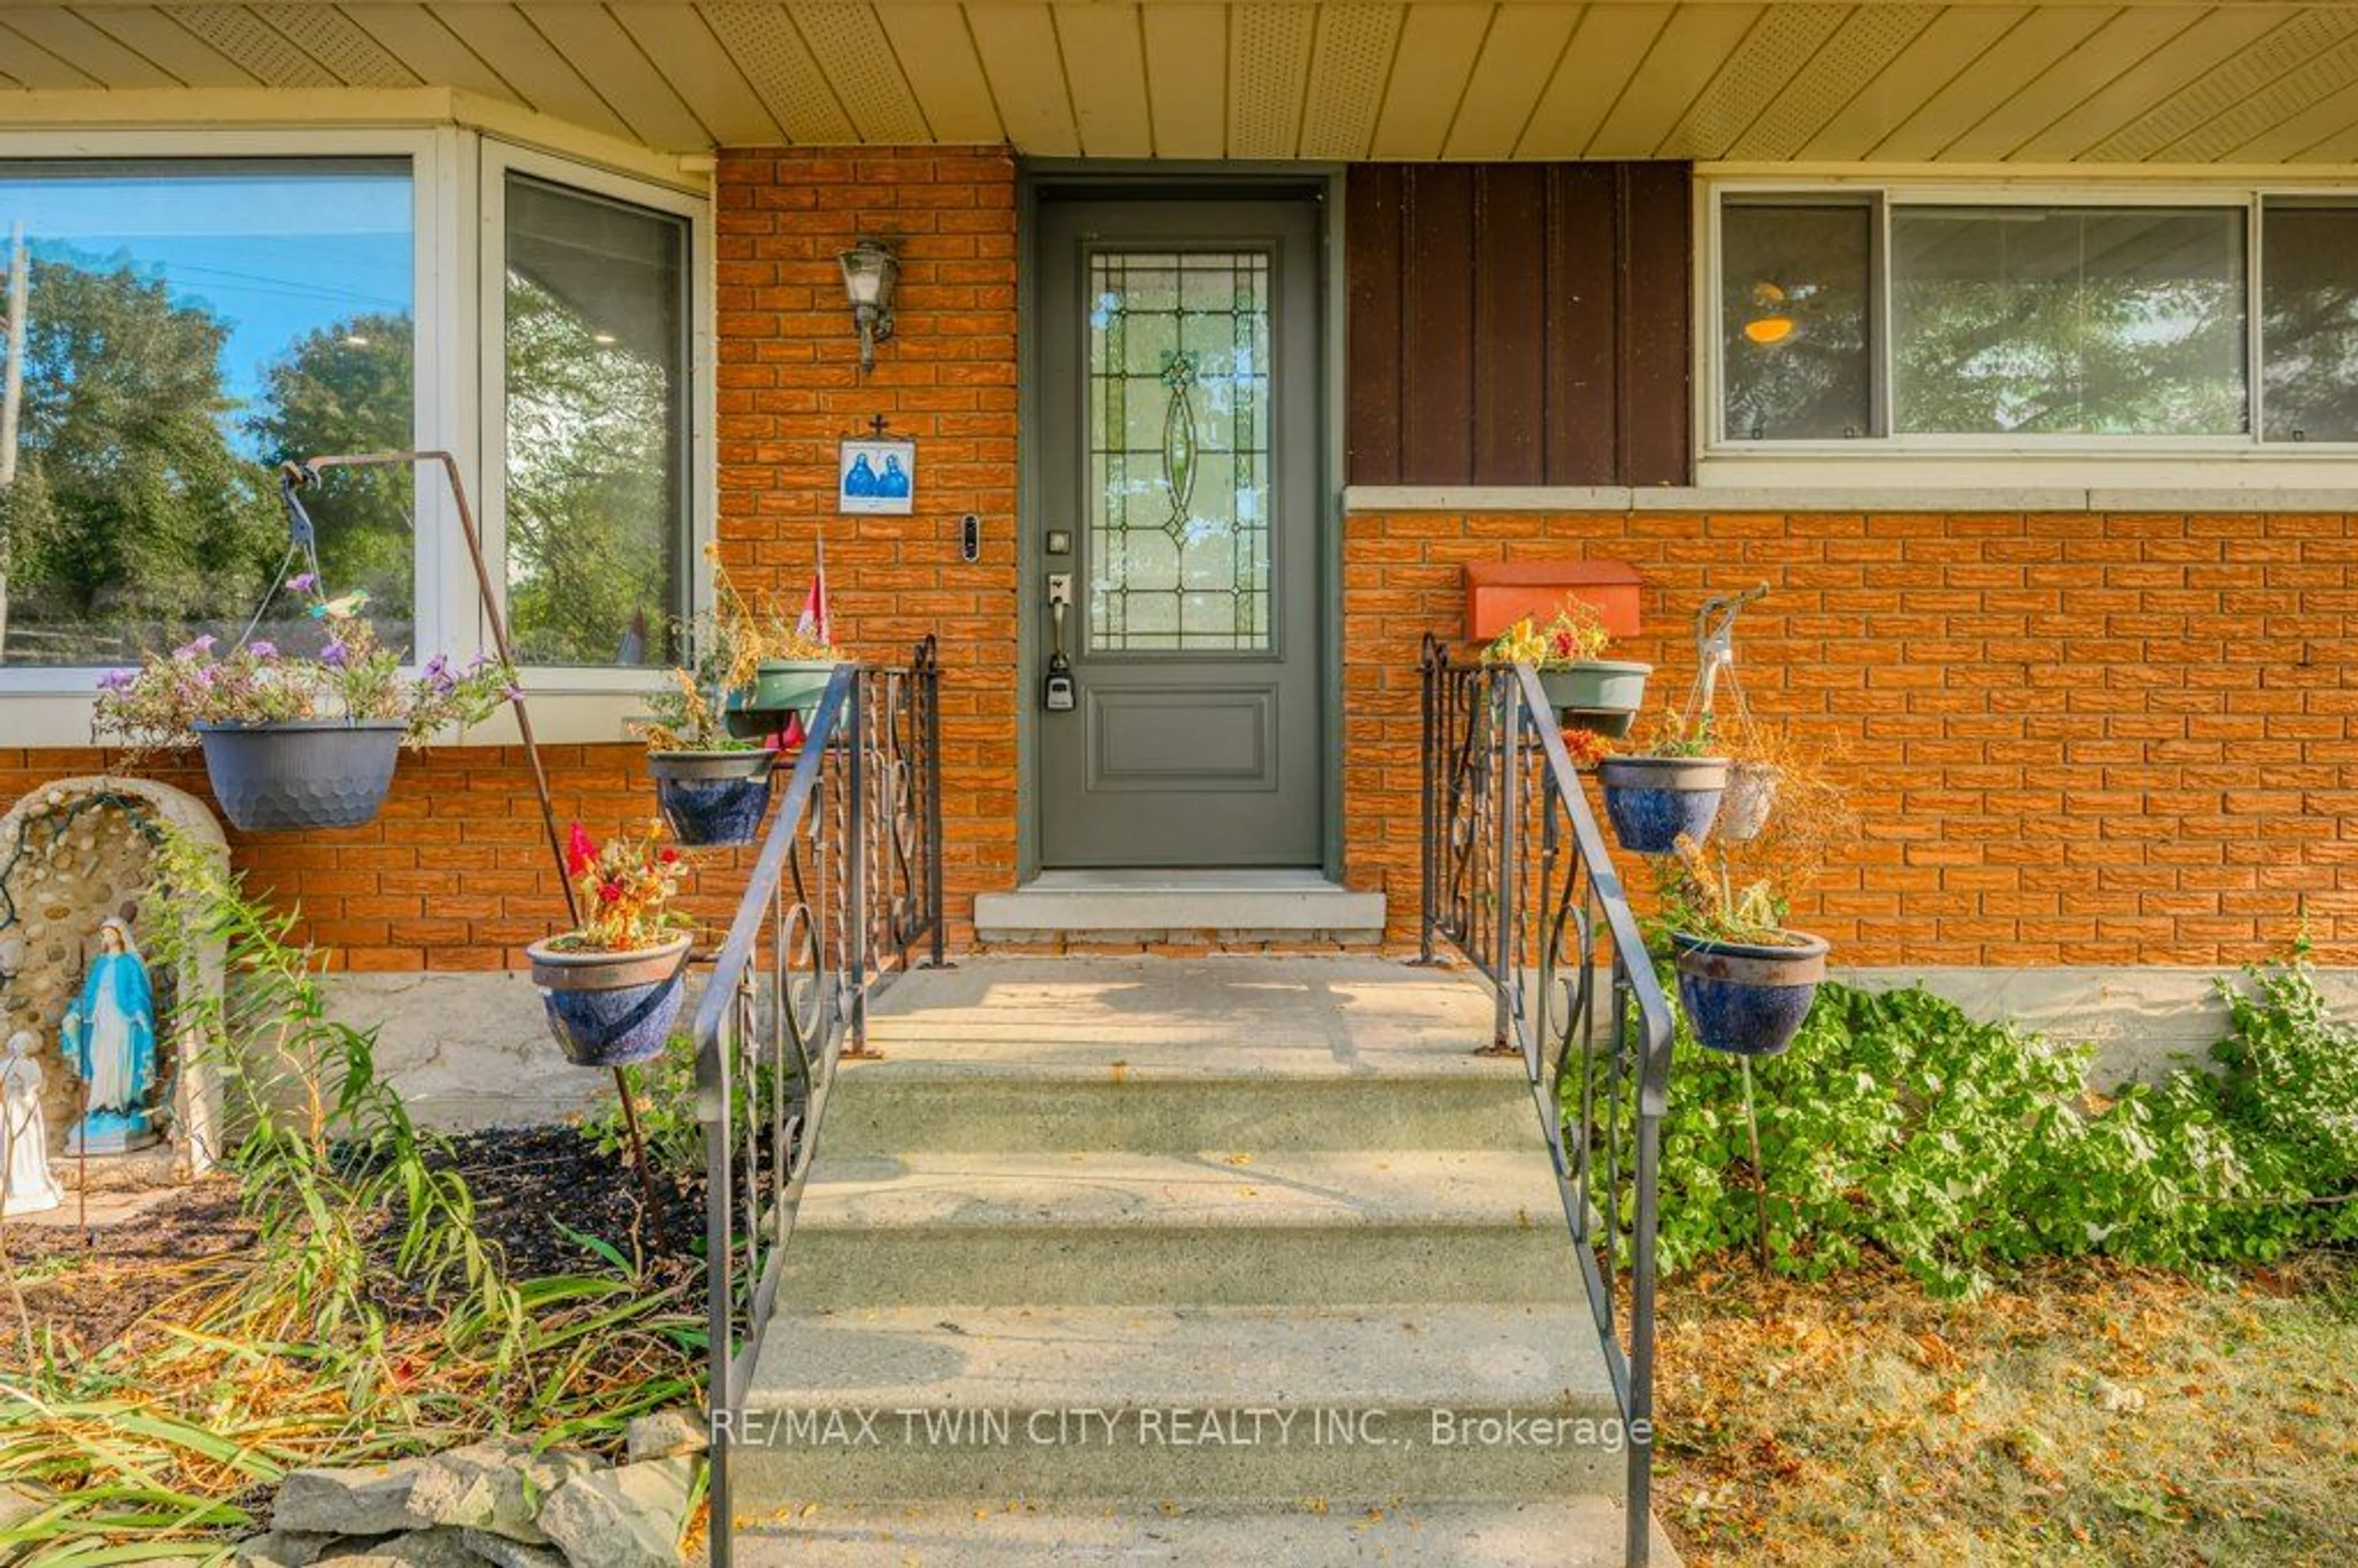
531, 1186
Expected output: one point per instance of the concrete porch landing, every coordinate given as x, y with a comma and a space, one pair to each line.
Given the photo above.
1085, 1205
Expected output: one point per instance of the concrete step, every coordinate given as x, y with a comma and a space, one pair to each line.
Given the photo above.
1237, 1228
1211, 1018
884, 1107
1233, 1405
1578, 1532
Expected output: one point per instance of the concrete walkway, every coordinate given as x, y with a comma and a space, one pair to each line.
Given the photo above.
1152, 1261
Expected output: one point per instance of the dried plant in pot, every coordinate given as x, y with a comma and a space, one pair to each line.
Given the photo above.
712, 787
1588, 692
1671, 790
297, 740
1747, 981
612, 986
774, 669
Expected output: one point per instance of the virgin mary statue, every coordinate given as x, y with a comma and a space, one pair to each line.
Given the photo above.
110, 1039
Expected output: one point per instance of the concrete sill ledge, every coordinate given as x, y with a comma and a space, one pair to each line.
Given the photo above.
1265, 905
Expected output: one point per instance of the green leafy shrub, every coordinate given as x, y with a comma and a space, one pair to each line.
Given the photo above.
1897, 1123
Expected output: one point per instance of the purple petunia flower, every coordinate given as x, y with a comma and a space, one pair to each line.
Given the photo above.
303, 583
512, 694
262, 650
117, 680
333, 655
200, 647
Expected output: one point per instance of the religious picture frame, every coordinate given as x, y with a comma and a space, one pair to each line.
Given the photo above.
876, 475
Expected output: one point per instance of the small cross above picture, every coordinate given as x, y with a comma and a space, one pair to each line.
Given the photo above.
876, 476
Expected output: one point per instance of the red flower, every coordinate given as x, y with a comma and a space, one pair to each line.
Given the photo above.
609, 893
668, 856
580, 850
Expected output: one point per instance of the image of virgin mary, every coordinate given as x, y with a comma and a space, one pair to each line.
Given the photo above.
109, 1041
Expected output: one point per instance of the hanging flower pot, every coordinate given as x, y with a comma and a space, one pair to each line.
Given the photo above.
1600, 694
711, 799
609, 1010
1748, 998
780, 686
1744, 811
1652, 800
296, 740
312, 772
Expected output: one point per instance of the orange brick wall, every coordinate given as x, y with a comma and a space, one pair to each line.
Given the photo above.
790, 386
2076, 739
455, 874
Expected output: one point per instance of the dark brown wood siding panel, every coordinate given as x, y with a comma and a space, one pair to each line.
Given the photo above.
1371, 263
1518, 324
1437, 326
1656, 348
1510, 370
1581, 317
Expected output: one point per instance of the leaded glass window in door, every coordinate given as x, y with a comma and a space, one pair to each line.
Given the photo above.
1180, 470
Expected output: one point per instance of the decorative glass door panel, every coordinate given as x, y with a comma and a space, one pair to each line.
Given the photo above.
1179, 698
1179, 451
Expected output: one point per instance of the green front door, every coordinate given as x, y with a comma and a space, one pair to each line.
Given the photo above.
1178, 403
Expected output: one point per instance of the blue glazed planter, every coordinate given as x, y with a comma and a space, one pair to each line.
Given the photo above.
1652, 800
1748, 998
710, 799
609, 1010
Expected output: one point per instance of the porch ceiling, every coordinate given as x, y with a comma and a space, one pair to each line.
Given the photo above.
1967, 83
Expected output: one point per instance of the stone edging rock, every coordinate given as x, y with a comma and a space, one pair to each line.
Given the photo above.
497, 1502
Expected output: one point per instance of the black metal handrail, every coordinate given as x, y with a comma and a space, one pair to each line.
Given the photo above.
1517, 877
848, 886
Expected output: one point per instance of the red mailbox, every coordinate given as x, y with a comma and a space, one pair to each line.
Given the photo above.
1500, 593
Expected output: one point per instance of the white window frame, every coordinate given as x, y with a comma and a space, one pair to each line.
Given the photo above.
1927, 461
499, 159
455, 225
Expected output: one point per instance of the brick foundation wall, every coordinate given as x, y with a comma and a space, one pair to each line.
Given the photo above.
454, 875
2076, 739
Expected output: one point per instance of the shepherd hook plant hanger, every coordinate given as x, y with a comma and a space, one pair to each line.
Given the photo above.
1714, 634
301, 535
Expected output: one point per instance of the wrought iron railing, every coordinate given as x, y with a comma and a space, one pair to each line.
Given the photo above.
847, 888
1517, 880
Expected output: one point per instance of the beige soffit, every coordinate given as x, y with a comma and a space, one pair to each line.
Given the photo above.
1984, 84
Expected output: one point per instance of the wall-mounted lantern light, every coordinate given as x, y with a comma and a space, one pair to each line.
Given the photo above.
870, 270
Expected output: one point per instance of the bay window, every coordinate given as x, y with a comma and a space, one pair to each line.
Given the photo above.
1875, 319
203, 306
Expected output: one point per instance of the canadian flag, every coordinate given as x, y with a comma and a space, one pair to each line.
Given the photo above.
814, 622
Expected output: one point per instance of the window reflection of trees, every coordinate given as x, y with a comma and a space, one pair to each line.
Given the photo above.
1802, 272
137, 518
2309, 295
2075, 321
588, 482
